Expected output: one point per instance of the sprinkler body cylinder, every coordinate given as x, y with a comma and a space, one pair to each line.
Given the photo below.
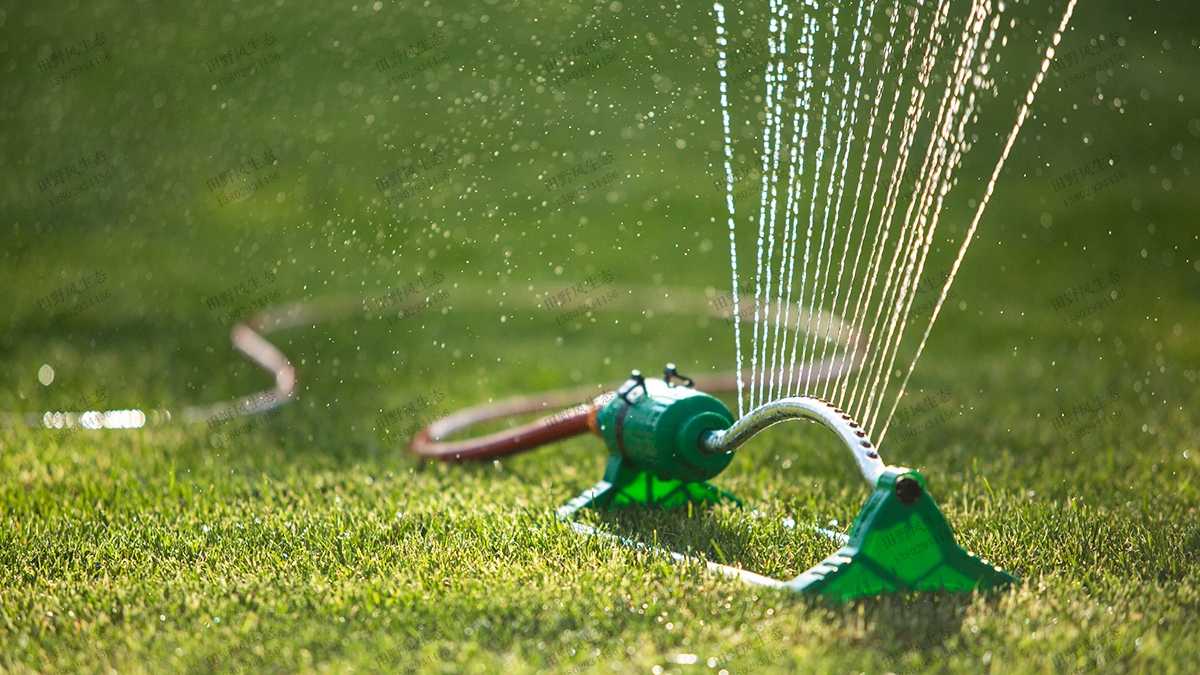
657, 427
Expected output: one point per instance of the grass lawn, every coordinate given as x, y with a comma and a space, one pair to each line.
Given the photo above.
233, 141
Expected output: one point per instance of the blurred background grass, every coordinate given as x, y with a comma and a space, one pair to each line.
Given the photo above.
319, 545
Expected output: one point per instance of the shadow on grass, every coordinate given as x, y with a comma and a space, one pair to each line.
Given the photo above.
902, 626
911, 631
723, 533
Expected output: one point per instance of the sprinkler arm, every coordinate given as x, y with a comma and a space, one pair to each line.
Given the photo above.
793, 408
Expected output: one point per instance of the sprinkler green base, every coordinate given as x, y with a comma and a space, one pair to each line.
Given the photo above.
625, 484
900, 542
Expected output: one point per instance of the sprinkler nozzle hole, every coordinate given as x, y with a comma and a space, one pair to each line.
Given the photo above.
908, 491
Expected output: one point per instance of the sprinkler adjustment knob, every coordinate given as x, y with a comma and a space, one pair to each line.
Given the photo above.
670, 373
636, 379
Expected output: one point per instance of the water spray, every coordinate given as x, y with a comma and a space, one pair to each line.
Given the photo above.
668, 437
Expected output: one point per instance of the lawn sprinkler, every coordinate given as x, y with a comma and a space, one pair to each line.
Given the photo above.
667, 438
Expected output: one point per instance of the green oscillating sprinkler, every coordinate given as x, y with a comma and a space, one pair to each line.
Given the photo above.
667, 440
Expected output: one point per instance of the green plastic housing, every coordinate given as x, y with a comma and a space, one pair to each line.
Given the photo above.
659, 430
900, 542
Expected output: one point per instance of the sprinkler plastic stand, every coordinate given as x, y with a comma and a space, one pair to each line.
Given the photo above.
623, 486
900, 542
666, 440
653, 428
